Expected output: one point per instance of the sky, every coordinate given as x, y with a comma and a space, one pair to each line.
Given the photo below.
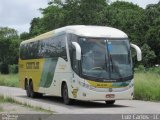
18, 14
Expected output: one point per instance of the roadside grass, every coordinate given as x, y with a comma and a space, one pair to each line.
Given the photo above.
11, 100
147, 85
6, 99
10, 80
36, 108
1, 109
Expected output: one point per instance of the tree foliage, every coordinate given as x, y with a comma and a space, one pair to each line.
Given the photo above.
141, 25
152, 35
148, 55
9, 44
24, 36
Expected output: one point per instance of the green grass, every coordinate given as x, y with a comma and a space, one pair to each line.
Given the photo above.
37, 108
1, 109
10, 80
6, 99
147, 86
11, 100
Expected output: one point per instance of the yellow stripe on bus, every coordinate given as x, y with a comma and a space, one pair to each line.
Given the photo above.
100, 84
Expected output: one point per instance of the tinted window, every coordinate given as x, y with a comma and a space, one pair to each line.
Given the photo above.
48, 48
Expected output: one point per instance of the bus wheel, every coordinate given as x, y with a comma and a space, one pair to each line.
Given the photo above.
31, 91
27, 89
65, 96
110, 102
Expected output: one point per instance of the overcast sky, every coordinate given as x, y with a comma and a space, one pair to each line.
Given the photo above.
18, 14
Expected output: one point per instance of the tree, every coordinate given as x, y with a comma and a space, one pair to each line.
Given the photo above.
87, 12
141, 25
36, 27
152, 35
59, 14
53, 17
129, 18
9, 44
24, 36
148, 55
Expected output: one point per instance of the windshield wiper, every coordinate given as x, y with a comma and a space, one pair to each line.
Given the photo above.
109, 57
111, 63
106, 66
111, 60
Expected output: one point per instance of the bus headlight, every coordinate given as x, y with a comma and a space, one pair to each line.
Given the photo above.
86, 85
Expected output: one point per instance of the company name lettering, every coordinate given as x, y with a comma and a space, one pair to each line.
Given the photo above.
32, 65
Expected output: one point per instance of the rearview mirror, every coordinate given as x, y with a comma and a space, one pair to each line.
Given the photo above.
138, 50
78, 50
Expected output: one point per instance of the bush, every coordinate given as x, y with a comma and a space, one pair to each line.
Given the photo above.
13, 68
147, 85
140, 68
4, 68
10, 80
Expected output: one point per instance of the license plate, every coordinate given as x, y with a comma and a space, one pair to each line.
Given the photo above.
110, 96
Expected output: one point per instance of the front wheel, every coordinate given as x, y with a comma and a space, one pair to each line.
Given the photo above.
110, 102
65, 96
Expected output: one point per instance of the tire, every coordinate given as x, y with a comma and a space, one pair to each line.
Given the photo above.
27, 89
30, 92
110, 102
33, 94
65, 96
39, 95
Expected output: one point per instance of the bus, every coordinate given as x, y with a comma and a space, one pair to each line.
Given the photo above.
78, 62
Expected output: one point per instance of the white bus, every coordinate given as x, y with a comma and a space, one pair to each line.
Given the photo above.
90, 63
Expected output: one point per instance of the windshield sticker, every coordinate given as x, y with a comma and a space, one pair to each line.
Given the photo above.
109, 46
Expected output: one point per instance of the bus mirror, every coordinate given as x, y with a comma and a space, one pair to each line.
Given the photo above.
78, 50
138, 50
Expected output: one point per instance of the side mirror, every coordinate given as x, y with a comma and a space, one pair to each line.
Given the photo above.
78, 50
138, 50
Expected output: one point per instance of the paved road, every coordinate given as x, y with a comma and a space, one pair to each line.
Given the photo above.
56, 104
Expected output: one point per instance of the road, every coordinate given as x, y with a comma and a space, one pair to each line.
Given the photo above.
56, 104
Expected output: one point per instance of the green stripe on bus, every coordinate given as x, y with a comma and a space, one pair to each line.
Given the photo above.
48, 72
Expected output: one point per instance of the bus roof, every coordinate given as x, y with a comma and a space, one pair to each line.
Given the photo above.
82, 30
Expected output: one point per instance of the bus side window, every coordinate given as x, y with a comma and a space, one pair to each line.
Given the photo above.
74, 62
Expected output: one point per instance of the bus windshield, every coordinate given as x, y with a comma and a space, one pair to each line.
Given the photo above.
106, 59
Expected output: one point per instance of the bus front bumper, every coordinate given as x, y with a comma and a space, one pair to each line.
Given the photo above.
90, 95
